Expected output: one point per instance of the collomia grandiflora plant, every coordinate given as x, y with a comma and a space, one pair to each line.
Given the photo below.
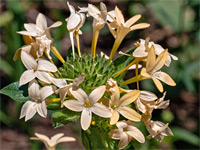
89, 87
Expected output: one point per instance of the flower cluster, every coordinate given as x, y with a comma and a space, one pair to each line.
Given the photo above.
107, 99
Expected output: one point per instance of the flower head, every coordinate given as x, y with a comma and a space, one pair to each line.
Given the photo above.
119, 105
125, 133
39, 69
51, 143
87, 105
141, 50
153, 65
41, 33
158, 130
37, 102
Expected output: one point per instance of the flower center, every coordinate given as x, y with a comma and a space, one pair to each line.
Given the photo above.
87, 103
114, 107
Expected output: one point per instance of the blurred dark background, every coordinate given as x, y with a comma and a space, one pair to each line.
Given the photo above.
174, 25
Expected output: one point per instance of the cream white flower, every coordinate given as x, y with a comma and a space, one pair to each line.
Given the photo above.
147, 102
153, 66
88, 105
41, 33
37, 102
37, 69
118, 106
51, 143
125, 133
158, 130
141, 51
74, 23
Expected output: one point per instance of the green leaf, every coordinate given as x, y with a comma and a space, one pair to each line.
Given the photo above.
64, 116
185, 135
15, 92
53, 106
90, 140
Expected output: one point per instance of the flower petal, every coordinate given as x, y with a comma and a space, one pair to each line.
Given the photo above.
158, 84
33, 90
73, 22
86, 118
160, 61
114, 118
56, 24
41, 109
28, 61
43, 76
26, 77
148, 96
140, 106
30, 27
46, 91
56, 137
30, 111
115, 134
66, 139
123, 141
151, 58
129, 97
79, 94
44, 65
140, 26
132, 20
140, 51
116, 95
97, 93
74, 105
164, 77
101, 110
41, 22
27, 33
130, 114
24, 108
136, 134
121, 124
42, 137
119, 16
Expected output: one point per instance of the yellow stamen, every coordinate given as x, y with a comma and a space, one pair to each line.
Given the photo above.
52, 100
57, 54
78, 44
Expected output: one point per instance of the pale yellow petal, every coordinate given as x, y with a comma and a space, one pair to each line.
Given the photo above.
44, 76
151, 59
33, 90
56, 137
28, 61
123, 141
66, 139
42, 110
158, 84
30, 27
30, 111
144, 73
132, 20
130, 114
140, 26
115, 96
114, 118
148, 96
160, 61
119, 16
42, 137
24, 108
46, 91
27, 33
115, 134
56, 24
73, 22
136, 134
162, 76
129, 98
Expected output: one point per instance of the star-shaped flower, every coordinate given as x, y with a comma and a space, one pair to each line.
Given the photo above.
153, 65
88, 105
39, 69
125, 133
51, 143
37, 102
158, 130
141, 51
119, 28
119, 105
41, 33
